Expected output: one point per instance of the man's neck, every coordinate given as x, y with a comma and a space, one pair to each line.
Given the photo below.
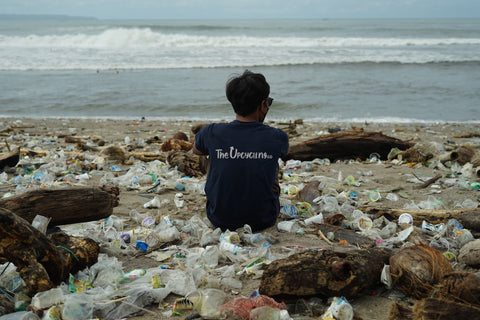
254, 117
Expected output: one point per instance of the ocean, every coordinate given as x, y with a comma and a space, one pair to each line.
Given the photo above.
319, 70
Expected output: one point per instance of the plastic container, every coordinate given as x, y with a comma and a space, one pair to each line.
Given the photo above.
392, 197
405, 218
40, 223
290, 226
179, 201
315, 219
463, 236
210, 256
154, 203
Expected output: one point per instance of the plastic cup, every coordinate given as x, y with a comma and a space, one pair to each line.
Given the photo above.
292, 191
365, 223
405, 218
305, 209
374, 196
350, 180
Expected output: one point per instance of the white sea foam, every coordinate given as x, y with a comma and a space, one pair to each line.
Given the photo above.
142, 48
146, 38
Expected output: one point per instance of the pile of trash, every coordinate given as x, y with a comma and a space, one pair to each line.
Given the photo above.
204, 266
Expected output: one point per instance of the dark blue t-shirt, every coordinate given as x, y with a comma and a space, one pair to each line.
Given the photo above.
243, 164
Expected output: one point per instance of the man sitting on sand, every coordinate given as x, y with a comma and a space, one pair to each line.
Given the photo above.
241, 185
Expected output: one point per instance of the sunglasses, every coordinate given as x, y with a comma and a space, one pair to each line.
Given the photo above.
269, 101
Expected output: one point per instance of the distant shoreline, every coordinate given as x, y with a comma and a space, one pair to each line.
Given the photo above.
43, 17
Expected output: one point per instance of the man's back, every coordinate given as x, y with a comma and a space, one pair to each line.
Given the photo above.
243, 165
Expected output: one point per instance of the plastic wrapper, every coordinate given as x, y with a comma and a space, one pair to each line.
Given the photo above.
106, 271
137, 297
340, 309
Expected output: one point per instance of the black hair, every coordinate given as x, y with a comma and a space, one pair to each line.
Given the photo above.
246, 92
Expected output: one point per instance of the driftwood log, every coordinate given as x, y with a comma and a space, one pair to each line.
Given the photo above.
456, 296
440, 309
469, 218
324, 273
463, 287
148, 156
42, 261
65, 205
10, 159
334, 146
346, 145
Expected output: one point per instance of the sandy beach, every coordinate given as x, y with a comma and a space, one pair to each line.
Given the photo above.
396, 181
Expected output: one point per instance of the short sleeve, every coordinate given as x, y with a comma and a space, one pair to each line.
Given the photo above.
200, 140
284, 144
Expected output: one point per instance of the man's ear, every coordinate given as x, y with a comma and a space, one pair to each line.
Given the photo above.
263, 104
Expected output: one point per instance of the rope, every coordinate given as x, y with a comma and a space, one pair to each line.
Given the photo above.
73, 254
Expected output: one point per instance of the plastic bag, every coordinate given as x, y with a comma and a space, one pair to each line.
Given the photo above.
78, 306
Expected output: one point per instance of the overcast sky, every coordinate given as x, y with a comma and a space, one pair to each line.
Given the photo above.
228, 9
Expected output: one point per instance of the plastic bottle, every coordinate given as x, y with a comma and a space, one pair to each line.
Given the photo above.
132, 275
469, 204
229, 247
